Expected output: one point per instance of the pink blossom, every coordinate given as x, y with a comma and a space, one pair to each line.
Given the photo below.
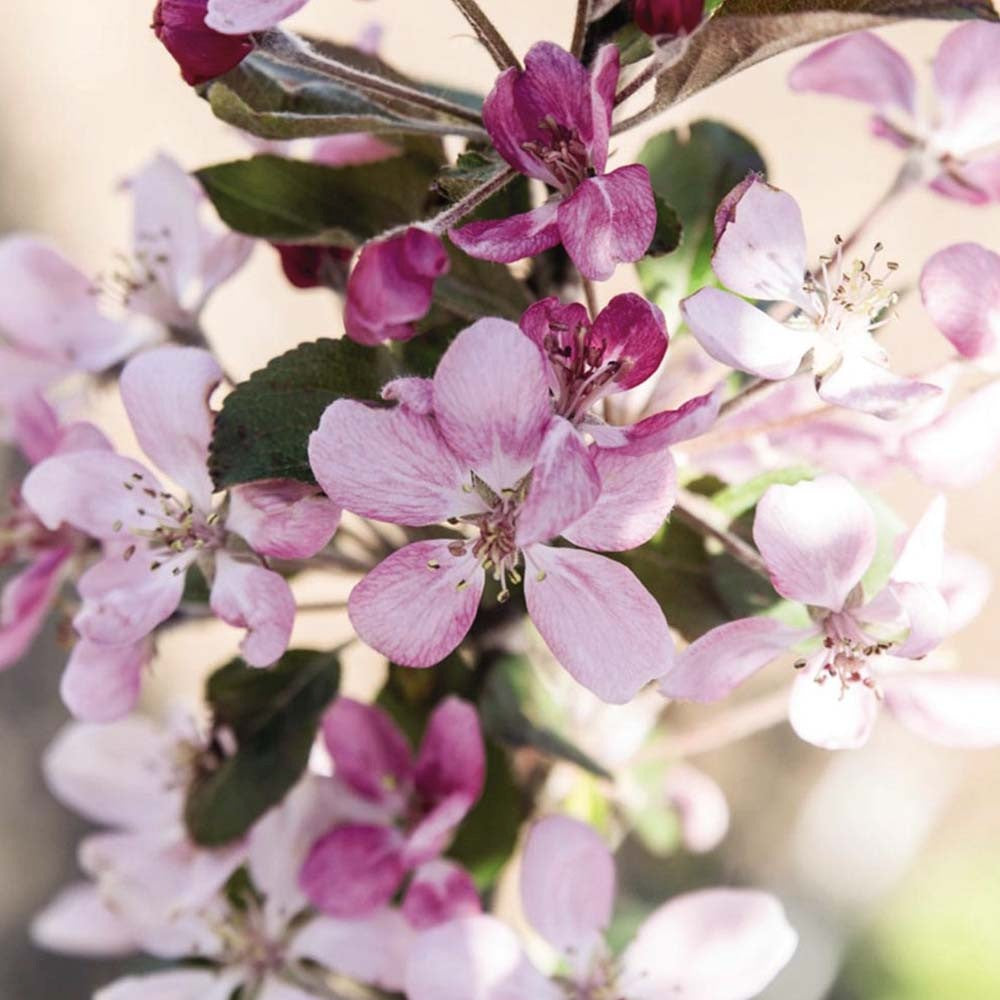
700, 805
392, 285
201, 52
240, 17
152, 536
818, 540
552, 121
955, 146
717, 944
415, 808
668, 17
761, 254
480, 445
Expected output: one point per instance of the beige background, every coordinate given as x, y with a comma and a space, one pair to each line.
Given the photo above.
86, 95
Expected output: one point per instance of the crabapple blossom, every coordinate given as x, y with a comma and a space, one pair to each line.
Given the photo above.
954, 147
416, 806
717, 944
552, 121
761, 253
479, 445
668, 17
818, 539
152, 536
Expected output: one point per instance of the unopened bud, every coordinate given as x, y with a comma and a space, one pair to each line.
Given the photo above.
201, 53
668, 17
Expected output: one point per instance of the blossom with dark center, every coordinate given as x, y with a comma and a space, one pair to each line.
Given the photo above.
552, 121
479, 446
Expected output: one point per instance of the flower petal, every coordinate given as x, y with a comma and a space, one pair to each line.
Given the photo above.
353, 870
960, 288
452, 759
166, 392
634, 332
282, 518
701, 807
609, 220
491, 400
412, 612
475, 958
599, 621
25, 601
184, 984
513, 238
717, 944
77, 922
435, 831
568, 886
565, 485
740, 335
690, 420
405, 473
829, 716
859, 383
440, 891
921, 554
954, 710
860, 67
241, 17
102, 683
719, 661
257, 599
817, 538
967, 85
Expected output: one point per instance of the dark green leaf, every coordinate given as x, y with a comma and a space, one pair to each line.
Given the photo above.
516, 710
474, 168
667, 237
263, 429
476, 288
273, 715
290, 201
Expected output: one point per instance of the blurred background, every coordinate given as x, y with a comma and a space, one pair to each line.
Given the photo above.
888, 858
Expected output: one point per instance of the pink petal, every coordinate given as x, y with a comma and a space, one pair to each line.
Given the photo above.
962, 446
248, 596
372, 950
102, 683
282, 518
979, 178
966, 584
77, 922
392, 285
491, 400
369, 752
416, 394
353, 870
435, 831
166, 393
717, 944
353, 149
859, 383
860, 67
718, 662
452, 758
967, 86
921, 553
599, 621
609, 220
242, 17
955, 710
35, 427
412, 612
201, 53
700, 805
405, 472
761, 252
25, 602
565, 485
634, 332
817, 538
568, 886
440, 891
603, 84
827, 715
511, 239
690, 420
927, 616
186, 984
476, 958
739, 335
273, 988
637, 492
960, 288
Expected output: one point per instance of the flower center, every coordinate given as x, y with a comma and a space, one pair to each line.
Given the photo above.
846, 655
563, 154
246, 942
23, 536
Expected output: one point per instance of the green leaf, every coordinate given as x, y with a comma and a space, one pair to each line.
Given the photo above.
692, 171
735, 501
291, 201
273, 715
474, 288
263, 429
474, 168
669, 228
516, 710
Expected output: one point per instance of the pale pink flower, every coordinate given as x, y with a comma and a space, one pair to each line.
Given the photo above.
479, 445
241, 17
701, 807
818, 539
717, 944
760, 253
152, 536
953, 146
552, 121
415, 808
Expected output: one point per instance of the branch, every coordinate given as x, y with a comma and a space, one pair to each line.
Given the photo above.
580, 28
703, 517
486, 32
443, 221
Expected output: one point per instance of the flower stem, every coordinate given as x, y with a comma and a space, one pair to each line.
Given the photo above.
590, 294
451, 216
580, 27
700, 515
487, 33
667, 52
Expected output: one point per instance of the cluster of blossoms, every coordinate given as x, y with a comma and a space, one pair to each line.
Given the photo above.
498, 480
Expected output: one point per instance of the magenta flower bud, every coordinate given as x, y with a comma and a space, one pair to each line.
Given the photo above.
392, 285
307, 266
201, 53
668, 17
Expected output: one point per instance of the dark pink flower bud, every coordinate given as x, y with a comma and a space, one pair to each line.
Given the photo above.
668, 17
201, 53
392, 285
308, 266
